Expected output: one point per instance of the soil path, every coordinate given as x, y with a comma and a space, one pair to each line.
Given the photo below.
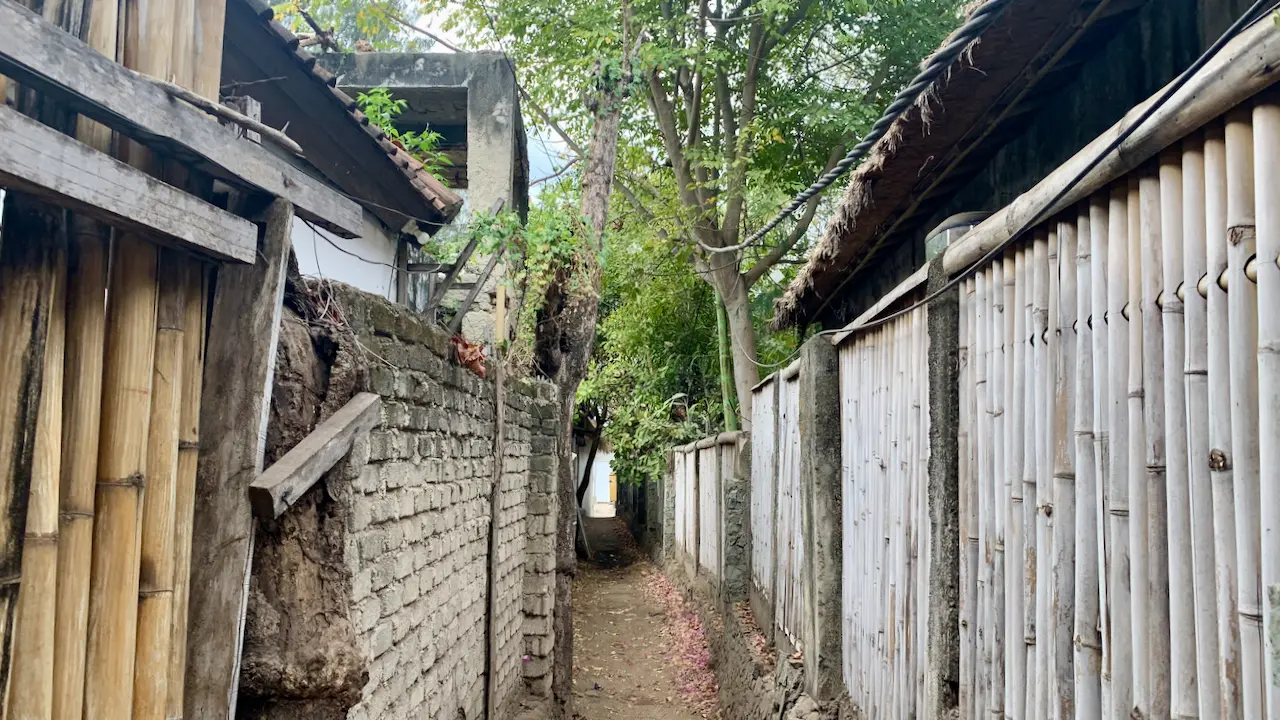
621, 636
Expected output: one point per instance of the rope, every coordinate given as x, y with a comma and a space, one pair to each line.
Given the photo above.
974, 27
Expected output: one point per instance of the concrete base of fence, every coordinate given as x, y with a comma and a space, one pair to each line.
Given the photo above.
820, 492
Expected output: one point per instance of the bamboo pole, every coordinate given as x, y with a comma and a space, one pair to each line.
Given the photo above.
1039, 554
1063, 342
1000, 494
1196, 424
1151, 329
1012, 420
155, 583
1119, 558
185, 493
1183, 679
31, 680
1136, 472
1219, 402
1087, 659
968, 554
113, 591
1266, 129
1100, 252
986, 575
1242, 308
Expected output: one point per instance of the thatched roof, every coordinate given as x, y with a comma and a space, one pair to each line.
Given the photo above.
933, 151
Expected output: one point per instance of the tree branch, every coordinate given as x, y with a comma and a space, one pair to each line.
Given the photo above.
777, 253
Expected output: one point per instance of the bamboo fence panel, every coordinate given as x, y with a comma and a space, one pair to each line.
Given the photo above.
681, 500
764, 484
691, 504
884, 386
709, 509
789, 539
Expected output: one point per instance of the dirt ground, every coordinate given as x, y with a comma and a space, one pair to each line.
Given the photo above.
621, 637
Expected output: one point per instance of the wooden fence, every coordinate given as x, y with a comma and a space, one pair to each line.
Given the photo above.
884, 395
764, 480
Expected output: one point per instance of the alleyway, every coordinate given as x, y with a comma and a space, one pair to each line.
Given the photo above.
624, 643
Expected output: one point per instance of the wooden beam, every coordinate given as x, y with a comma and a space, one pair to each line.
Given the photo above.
277, 489
42, 162
244, 330
458, 265
455, 326
45, 58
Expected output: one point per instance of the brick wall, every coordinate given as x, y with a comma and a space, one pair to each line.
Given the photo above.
417, 545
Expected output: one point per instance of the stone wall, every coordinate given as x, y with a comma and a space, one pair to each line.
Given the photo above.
413, 502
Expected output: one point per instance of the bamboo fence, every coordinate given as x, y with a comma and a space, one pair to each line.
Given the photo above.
764, 454
884, 430
99, 624
789, 538
708, 459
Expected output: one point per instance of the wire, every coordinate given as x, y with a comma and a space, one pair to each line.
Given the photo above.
1249, 17
937, 65
317, 232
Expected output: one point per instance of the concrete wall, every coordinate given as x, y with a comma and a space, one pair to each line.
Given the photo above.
365, 264
415, 543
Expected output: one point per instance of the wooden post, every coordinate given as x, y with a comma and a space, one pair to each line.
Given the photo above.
1219, 404
1196, 380
1242, 310
243, 335
1266, 128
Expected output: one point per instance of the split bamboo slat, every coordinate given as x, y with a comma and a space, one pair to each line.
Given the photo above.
1266, 148
884, 432
967, 508
1015, 310
1120, 560
1219, 431
789, 538
1060, 697
1100, 252
709, 509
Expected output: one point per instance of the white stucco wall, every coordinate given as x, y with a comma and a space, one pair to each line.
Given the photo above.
366, 264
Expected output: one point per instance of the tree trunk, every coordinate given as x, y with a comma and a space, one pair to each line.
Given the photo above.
566, 340
726, 367
742, 341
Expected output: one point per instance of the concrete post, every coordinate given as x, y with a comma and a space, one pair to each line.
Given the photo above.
735, 507
942, 676
820, 493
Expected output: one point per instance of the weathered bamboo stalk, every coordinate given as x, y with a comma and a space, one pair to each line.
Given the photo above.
1136, 448
1219, 402
1151, 329
86, 324
155, 582
1196, 423
1119, 558
113, 592
1266, 146
31, 680
1063, 342
1183, 702
987, 588
1012, 420
968, 541
1039, 554
1000, 627
1242, 308
1100, 252
1087, 660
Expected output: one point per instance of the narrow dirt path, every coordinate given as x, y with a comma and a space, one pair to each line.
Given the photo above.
625, 645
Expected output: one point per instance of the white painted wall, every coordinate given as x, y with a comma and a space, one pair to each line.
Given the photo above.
596, 502
366, 264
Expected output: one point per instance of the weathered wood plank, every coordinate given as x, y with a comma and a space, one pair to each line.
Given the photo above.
293, 475
51, 61
461, 263
41, 161
239, 369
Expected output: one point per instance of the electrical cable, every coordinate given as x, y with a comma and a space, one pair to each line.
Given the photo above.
1250, 16
937, 65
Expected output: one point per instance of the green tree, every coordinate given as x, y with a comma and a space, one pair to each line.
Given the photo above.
381, 23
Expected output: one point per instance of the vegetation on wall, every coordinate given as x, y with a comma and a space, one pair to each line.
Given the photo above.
382, 110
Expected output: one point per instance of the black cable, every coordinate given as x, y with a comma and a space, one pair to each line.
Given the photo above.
1248, 18
939, 63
